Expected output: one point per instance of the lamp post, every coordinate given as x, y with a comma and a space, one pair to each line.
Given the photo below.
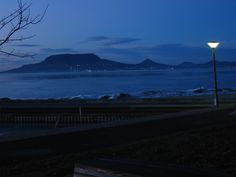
213, 45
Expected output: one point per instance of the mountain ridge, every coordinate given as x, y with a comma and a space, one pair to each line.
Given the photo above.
83, 62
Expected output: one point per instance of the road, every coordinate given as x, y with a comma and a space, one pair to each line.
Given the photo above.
147, 169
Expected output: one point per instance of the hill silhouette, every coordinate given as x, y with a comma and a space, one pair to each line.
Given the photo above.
83, 62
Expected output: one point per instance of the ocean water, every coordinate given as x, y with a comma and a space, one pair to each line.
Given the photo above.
162, 83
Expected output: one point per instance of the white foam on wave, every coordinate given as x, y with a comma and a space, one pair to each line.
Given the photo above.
158, 93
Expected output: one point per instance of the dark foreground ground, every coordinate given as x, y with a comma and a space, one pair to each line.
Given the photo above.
204, 140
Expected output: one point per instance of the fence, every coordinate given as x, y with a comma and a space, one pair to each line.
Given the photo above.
76, 116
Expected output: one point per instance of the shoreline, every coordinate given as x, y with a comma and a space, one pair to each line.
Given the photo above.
126, 98
138, 95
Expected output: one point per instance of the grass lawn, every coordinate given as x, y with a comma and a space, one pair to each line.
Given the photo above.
213, 148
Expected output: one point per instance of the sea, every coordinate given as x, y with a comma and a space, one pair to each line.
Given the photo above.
96, 84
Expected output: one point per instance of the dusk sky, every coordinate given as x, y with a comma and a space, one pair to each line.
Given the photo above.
167, 31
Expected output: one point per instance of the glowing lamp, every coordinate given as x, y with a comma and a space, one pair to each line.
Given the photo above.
213, 44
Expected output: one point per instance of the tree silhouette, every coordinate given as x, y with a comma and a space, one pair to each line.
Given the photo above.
17, 21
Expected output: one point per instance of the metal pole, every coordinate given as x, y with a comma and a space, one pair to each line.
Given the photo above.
216, 99
80, 112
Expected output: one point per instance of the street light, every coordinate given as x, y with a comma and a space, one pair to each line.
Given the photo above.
213, 45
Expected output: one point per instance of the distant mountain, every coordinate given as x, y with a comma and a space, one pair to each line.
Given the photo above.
149, 64
83, 62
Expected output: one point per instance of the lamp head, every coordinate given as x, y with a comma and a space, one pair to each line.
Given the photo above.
213, 44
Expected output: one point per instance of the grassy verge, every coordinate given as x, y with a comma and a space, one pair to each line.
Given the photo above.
213, 148
206, 148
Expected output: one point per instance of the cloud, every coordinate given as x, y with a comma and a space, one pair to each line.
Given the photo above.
176, 51
97, 38
26, 45
189, 52
168, 53
55, 51
120, 41
108, 41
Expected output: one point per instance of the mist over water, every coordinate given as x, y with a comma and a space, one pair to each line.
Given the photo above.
94, 84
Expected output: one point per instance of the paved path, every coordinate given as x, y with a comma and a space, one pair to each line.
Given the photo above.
147, 169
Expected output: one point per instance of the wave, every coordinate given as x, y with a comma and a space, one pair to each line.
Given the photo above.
165, 94
200, 91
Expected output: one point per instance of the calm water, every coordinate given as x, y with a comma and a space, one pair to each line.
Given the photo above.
96, 84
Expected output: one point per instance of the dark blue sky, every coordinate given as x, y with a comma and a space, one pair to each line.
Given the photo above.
167, 31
